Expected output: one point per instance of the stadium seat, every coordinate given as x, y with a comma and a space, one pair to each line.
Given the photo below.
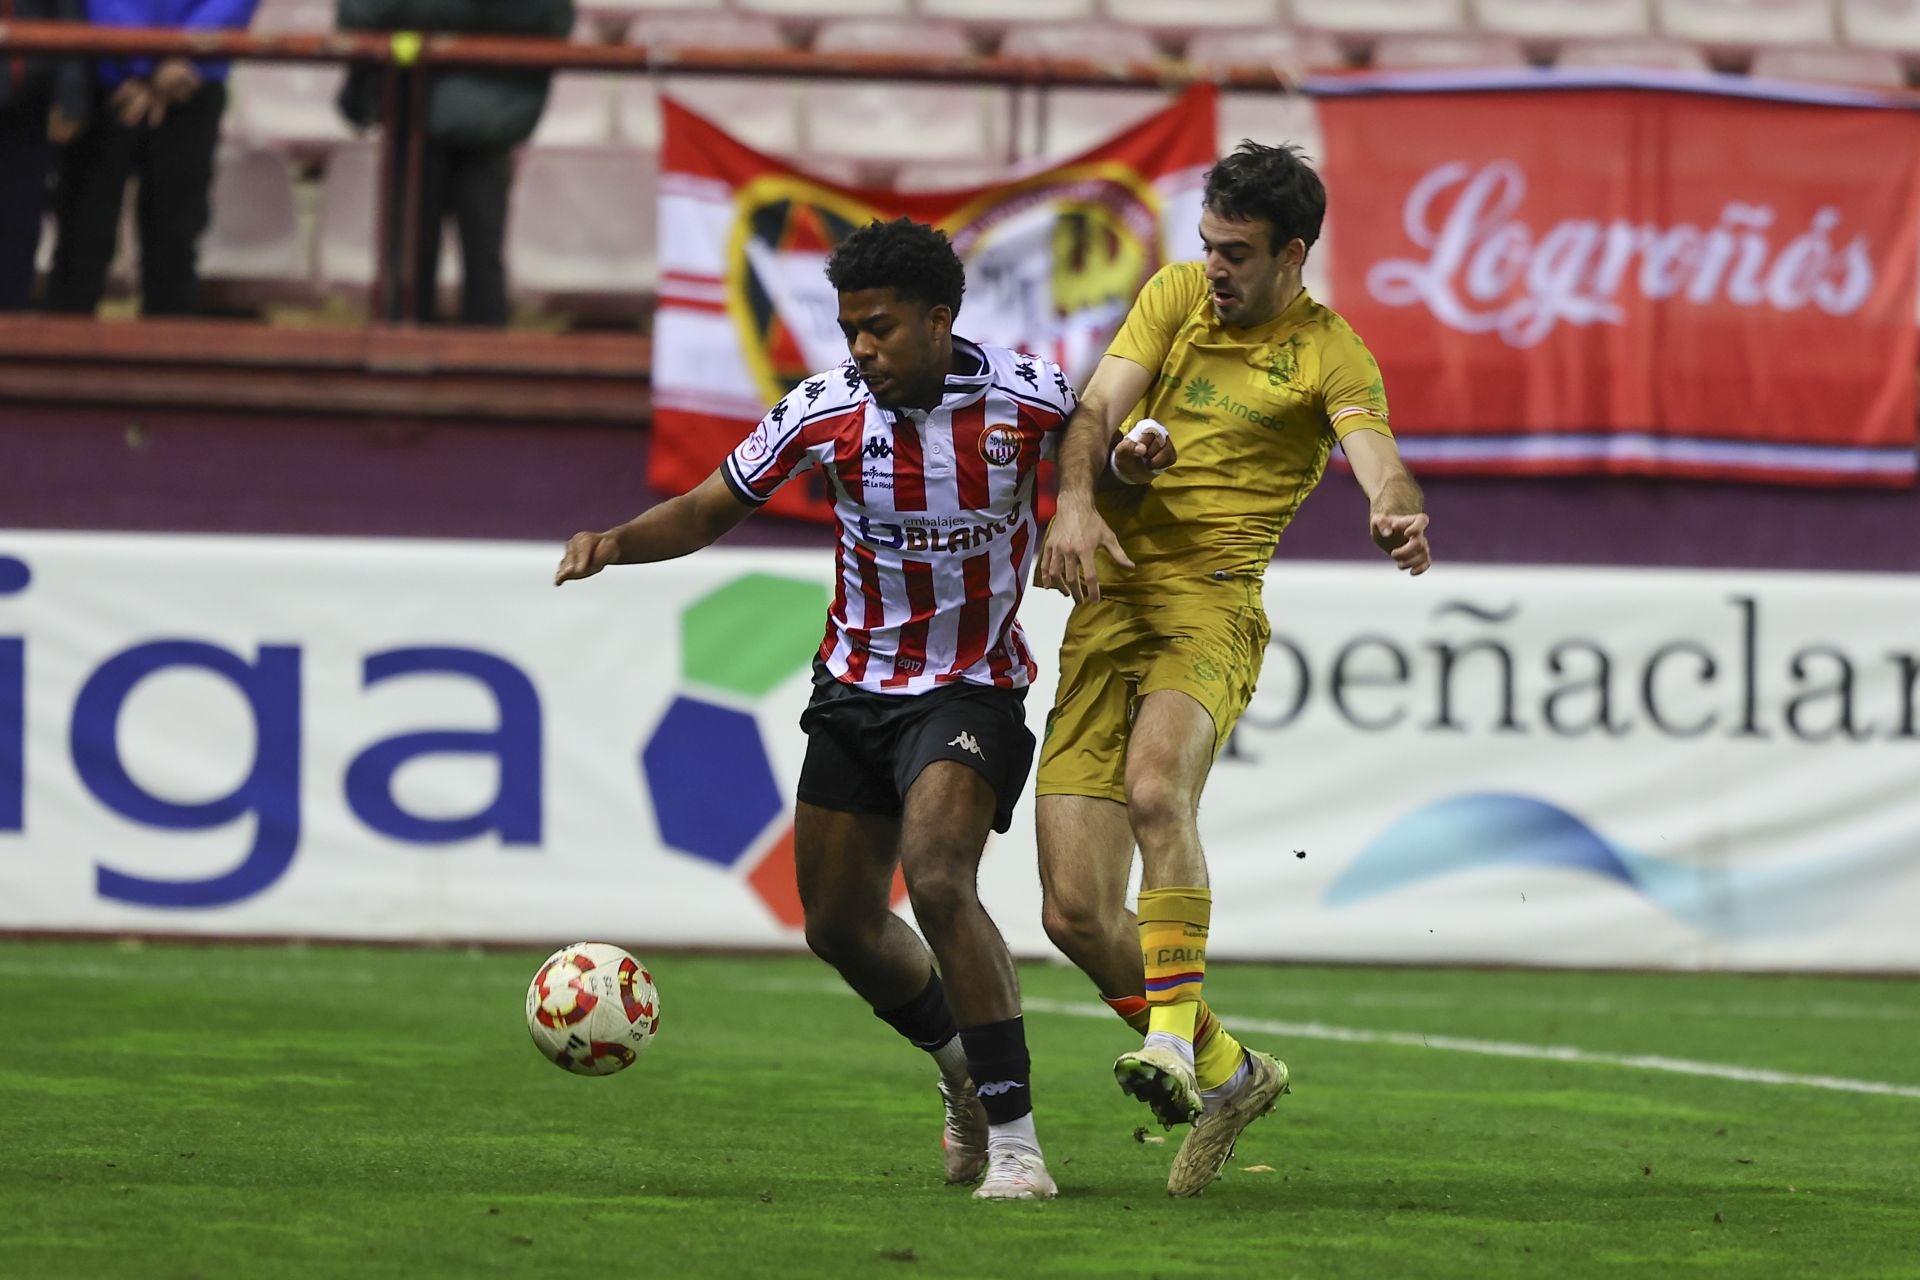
1062, 40
579, 110
255, 232
613, 16
1189, 17
1079, 119
1421, 52
1373, 17
1645, 54
636, 112
1747, 23
893, 120
1882, 24
1002, 12
349, 221
1562, 19
288, 105
1869, 68
1291, 54
584, 222
761, 111
1271, 118
826, 8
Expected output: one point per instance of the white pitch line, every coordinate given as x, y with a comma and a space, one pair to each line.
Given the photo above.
1510, 1049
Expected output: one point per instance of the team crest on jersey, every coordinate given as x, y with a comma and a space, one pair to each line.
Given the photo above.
1000, 445
756, 447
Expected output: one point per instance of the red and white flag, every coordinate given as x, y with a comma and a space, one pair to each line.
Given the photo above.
1599, 278
1054, 258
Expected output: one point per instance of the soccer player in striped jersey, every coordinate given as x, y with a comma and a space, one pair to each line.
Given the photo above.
917, 742
1255, 381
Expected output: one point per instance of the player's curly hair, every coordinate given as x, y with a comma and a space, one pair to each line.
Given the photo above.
1274, 183
914, 260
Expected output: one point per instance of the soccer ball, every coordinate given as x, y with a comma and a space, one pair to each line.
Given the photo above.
592, 1008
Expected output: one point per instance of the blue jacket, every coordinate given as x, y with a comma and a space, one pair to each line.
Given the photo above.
190, 15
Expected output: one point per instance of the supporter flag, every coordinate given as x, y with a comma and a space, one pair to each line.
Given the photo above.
1631, 277
1054, 258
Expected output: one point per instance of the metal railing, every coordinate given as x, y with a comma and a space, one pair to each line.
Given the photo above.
407, 61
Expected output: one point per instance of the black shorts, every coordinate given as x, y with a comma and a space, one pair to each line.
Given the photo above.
865, 749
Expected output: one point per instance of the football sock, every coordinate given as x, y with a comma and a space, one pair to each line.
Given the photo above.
997, 1060
1015, 1133
1173, 951
1217, 1056
926, 1020
1210, 1099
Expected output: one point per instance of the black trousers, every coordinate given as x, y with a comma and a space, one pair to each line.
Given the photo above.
25, 157
175, 165
468, 184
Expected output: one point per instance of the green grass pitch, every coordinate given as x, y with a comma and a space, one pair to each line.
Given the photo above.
234, 1111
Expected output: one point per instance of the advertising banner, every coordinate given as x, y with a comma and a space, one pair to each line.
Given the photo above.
1054, 257
1570, 277
414, 740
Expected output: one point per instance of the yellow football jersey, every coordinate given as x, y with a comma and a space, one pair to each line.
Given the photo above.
1253, 413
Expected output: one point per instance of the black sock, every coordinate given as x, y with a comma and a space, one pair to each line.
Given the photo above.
926, 1019
997, 1060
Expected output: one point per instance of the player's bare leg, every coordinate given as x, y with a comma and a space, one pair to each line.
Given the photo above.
845, 865
948, 814
1086, 857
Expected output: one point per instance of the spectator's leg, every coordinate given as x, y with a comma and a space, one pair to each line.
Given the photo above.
176, 178
93, 179
436, 160
25, 154
481, 178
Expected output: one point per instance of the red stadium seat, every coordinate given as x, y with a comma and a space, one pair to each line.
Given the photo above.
1430, 52
255, 233
1870, 68
1882, 24
583, 222
1644, 54
1291, 54
1743, 24
902, 120
349, 220
1562, 19
289, 105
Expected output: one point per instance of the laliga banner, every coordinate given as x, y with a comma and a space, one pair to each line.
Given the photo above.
1054, 258
427, 741
1598, 279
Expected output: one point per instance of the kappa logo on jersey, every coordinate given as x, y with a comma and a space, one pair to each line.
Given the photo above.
814, 389
967, 742
877, 447
994, 1088
1000, 445
1024, 372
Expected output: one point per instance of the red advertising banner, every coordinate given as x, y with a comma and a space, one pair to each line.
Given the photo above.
1054, 257
1632, 280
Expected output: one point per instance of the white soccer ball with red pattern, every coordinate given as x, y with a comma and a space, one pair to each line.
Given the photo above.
592, 1008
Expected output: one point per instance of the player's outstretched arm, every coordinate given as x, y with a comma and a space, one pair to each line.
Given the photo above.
1397, 514
677, 527
1077, 534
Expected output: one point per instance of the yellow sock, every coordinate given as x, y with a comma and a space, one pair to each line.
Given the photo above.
1216, 1054
1173, 951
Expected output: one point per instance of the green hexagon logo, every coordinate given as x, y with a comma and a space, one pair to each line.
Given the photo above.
751, 634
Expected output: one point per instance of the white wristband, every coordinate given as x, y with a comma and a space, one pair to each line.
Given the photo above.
1142, 433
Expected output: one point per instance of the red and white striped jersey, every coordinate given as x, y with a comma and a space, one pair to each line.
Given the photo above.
937, 530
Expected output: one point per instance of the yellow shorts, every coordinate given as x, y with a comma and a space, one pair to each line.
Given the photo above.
1115, 653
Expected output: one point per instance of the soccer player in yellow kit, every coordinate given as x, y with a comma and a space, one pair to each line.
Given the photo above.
1236, 384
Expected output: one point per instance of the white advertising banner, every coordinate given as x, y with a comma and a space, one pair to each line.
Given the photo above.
425, 740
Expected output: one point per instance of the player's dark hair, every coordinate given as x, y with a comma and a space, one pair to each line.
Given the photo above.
1273, 183
914, 260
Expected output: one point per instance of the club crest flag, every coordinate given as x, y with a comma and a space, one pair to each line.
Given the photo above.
1630, 275
1054, 257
